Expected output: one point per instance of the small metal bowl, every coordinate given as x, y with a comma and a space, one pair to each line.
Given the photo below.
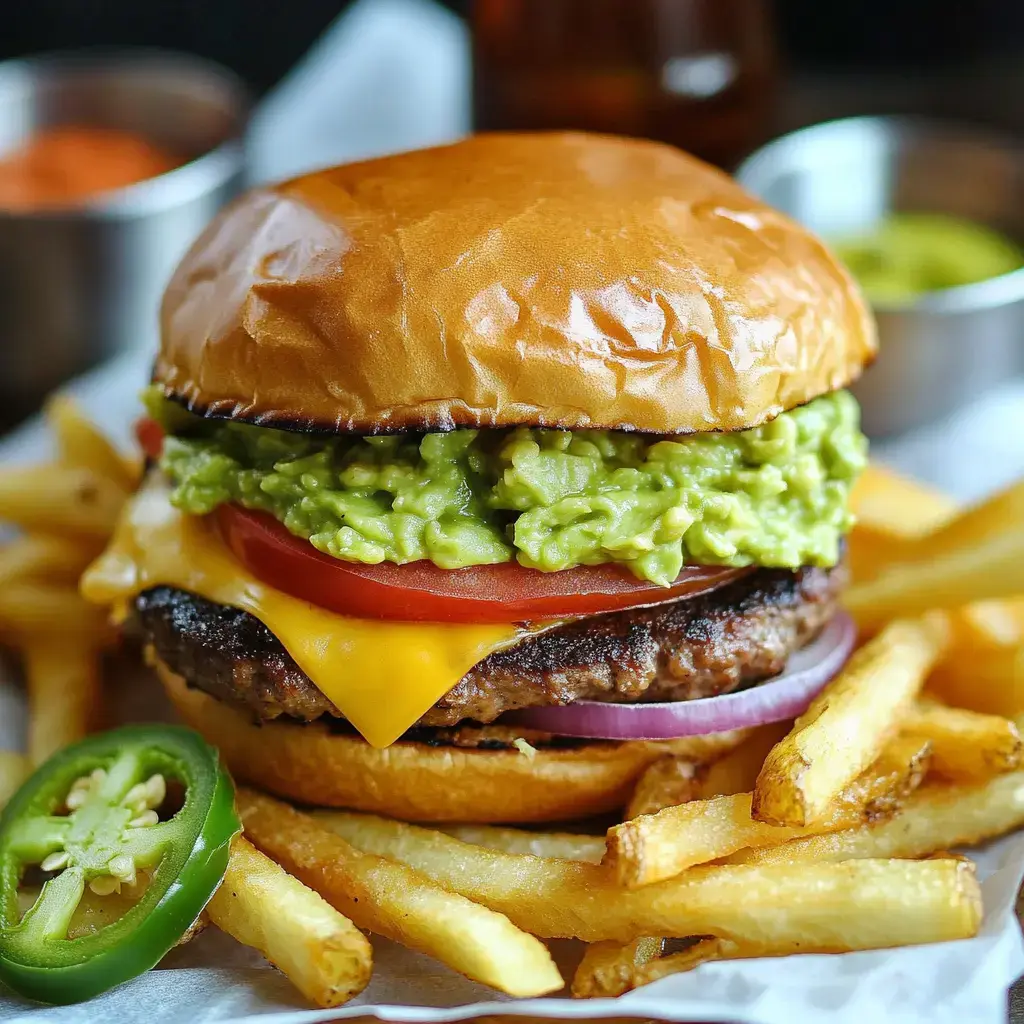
79, 284
842, 178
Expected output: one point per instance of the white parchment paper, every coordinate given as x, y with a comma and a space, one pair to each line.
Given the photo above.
215, 979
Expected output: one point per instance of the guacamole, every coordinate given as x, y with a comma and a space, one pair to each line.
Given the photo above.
913, 253
775, 495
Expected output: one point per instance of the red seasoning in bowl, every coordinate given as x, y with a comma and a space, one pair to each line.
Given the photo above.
62, 167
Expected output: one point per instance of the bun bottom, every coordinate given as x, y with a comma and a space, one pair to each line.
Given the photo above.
310, 764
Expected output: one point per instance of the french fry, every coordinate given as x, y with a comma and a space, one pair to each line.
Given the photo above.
31, 609
966, 745
665, 783
848, 723
977, 556
610, 968
881, 789
861, 905
81, 444
41, 557
890, 510
869, 553
990, 681
59, 499
563, 845
14, 770
988, 624
63, 693
896, 506
984, 668
737, 771
675, 780
936, 817
654, 847
322, 952
710, 949
702, 951
387, 898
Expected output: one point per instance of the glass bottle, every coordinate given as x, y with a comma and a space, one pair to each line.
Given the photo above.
699, 74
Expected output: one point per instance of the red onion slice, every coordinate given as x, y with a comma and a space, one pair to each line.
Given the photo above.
785, 696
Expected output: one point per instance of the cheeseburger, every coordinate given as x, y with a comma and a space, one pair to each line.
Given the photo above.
482, 476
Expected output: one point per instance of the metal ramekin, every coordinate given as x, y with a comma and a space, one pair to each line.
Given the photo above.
78, 285
842, 177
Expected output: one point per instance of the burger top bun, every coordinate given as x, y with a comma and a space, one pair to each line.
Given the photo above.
562, 280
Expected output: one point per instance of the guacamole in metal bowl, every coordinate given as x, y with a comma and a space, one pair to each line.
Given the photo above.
775, 495
911, 254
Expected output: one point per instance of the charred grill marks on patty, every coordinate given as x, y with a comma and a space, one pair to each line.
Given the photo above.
733, 637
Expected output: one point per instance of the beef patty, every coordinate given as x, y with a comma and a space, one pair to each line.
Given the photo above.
730, 638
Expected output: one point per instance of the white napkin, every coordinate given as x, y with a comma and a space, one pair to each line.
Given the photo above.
388, 75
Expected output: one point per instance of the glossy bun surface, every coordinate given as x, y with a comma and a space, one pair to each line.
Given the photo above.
553, 279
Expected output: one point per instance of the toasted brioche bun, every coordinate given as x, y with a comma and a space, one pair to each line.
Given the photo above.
562, 280
310, 764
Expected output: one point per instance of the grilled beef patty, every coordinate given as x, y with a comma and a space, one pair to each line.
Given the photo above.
733, 637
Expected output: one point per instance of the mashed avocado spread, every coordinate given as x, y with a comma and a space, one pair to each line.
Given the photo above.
776, 495
909, 254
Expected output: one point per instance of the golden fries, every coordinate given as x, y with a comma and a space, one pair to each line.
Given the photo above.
977, 556
934, 818
81, 445
896, 506
604, 975
45, 611
890, 510
608, 968
655, 847
68, 509
611, 968
880, 790
709, 949
57, 499
966, 745
737, 771
563, 845
387, 898
14, 769
703, 951
323, 953
848, 723
987, 624
990, 681
865, 905
54, 559
63, 694
665, 783
984, 669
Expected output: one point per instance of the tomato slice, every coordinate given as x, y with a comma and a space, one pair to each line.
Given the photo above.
150, 436
423, 592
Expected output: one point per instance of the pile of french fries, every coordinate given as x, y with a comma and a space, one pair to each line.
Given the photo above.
828, 834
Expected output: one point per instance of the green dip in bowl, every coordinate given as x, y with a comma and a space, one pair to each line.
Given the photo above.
910, 254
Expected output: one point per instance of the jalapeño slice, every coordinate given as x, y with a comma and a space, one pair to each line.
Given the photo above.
97, 815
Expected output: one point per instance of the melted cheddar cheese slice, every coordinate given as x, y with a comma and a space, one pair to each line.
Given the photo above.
382, 676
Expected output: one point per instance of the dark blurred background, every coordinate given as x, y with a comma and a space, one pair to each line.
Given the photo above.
937, 57
261, 41
907, 39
